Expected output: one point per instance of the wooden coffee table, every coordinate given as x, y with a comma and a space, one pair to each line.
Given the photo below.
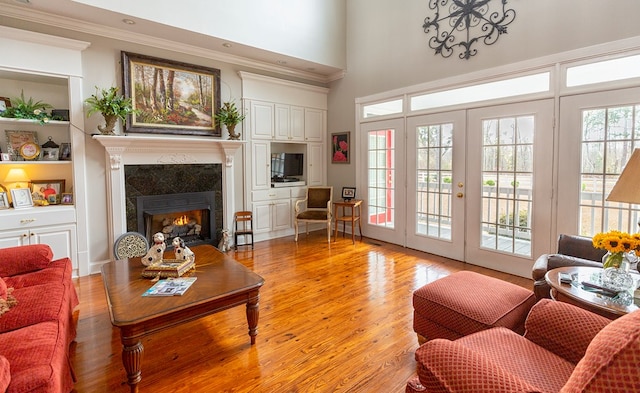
222, 283
576, 295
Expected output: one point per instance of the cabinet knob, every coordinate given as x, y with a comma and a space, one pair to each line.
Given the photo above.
33, 234
24, 235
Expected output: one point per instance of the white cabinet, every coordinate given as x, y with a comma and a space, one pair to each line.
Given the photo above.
272, 210
289, 122
261, 165
316, 167
261, 119
297, 123
53, 225
314, 125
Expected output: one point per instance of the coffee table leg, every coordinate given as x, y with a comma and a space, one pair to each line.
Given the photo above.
132, 351
252, 317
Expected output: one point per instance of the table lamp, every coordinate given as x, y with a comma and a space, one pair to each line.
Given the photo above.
18, 176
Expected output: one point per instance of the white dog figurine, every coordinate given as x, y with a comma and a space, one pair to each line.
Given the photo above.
181, 250
223, 246
156, 250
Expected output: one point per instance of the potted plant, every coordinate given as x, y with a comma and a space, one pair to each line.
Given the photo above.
230, 117
112, 106
27, 109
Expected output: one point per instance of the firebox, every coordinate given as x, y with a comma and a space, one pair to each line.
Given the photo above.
185, 215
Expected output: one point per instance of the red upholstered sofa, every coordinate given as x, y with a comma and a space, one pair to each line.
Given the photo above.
565, 349
36, 332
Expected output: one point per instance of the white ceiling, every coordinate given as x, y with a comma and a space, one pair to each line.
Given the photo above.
74, 16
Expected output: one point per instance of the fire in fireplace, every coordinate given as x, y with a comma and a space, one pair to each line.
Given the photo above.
185, 215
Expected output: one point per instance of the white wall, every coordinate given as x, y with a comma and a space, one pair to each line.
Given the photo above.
312, 30
387, 49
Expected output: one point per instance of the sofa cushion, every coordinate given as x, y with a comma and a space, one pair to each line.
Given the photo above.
38, 357
58, 271
3, 290
5, 374
23, 259
39, 303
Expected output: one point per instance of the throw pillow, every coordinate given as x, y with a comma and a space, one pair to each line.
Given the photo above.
24, 259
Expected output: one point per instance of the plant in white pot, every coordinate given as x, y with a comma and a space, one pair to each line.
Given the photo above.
230, 117
112, 106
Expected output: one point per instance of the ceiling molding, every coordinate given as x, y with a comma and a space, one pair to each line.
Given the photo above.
62, 22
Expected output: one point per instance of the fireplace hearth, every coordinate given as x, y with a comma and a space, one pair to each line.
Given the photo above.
189, 216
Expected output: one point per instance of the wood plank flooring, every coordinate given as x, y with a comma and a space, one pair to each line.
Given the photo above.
332, 319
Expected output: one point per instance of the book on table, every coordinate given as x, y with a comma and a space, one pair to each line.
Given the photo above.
170, 287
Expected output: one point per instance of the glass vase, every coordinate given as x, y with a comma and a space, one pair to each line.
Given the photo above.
618, 278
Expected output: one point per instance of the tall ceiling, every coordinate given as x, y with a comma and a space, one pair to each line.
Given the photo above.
74, 16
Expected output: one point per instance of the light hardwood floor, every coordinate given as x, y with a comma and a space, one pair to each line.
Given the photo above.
332, 319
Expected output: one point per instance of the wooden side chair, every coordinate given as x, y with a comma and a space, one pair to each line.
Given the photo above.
318, 209
243, 227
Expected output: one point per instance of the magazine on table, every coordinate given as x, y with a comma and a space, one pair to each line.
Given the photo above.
170, 287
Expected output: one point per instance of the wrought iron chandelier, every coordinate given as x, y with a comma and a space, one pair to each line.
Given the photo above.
474, 21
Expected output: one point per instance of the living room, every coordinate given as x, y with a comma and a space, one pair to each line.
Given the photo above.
363, 53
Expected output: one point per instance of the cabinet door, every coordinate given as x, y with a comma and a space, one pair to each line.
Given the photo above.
281, 210
297, 123
262, 122
316, 164
262, 217
313, 125
261, 165
282, 122
14, 238
61, 239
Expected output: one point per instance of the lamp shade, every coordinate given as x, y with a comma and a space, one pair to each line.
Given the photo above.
627, 188
16, 175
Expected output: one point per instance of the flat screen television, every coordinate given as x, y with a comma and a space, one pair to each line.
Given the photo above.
285, 166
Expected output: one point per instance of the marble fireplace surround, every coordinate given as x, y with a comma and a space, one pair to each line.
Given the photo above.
163, 150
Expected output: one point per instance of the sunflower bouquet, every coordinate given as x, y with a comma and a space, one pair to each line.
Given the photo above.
617, 244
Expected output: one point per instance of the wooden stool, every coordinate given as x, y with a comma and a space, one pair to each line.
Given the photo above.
244, 227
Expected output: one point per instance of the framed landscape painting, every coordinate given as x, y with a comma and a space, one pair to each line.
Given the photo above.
172, 97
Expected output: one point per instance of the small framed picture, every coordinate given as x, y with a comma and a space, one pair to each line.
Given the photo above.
4, 200
65, 151
5, 156
67, 198
4, 103
21, 198
348, 193
43, 190
340, 148
15, 140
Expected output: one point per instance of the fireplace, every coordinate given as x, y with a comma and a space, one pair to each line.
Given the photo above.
190, 216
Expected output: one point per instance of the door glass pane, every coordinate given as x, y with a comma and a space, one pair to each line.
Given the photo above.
434, 148
609, 136
507, 181
381, 169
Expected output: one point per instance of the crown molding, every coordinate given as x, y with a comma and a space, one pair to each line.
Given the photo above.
67, 23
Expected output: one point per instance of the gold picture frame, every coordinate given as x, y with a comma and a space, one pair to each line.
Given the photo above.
15, 140
187, 103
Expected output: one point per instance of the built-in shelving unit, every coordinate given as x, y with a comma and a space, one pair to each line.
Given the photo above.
48, 69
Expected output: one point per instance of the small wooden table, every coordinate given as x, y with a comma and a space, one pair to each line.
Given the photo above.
222, 283
574, 293
353, 204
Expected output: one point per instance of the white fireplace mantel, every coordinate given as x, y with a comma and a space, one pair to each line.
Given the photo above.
162, 150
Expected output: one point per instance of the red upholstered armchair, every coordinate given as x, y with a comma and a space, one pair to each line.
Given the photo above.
565, 349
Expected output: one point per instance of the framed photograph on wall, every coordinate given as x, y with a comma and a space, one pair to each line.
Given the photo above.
21, 198
340, 153
172, 97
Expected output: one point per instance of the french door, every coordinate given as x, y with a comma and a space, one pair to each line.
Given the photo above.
472, 185
436, 183
383, 171
600, 131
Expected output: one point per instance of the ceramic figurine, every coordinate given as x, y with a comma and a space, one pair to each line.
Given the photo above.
181, 250
154, 255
